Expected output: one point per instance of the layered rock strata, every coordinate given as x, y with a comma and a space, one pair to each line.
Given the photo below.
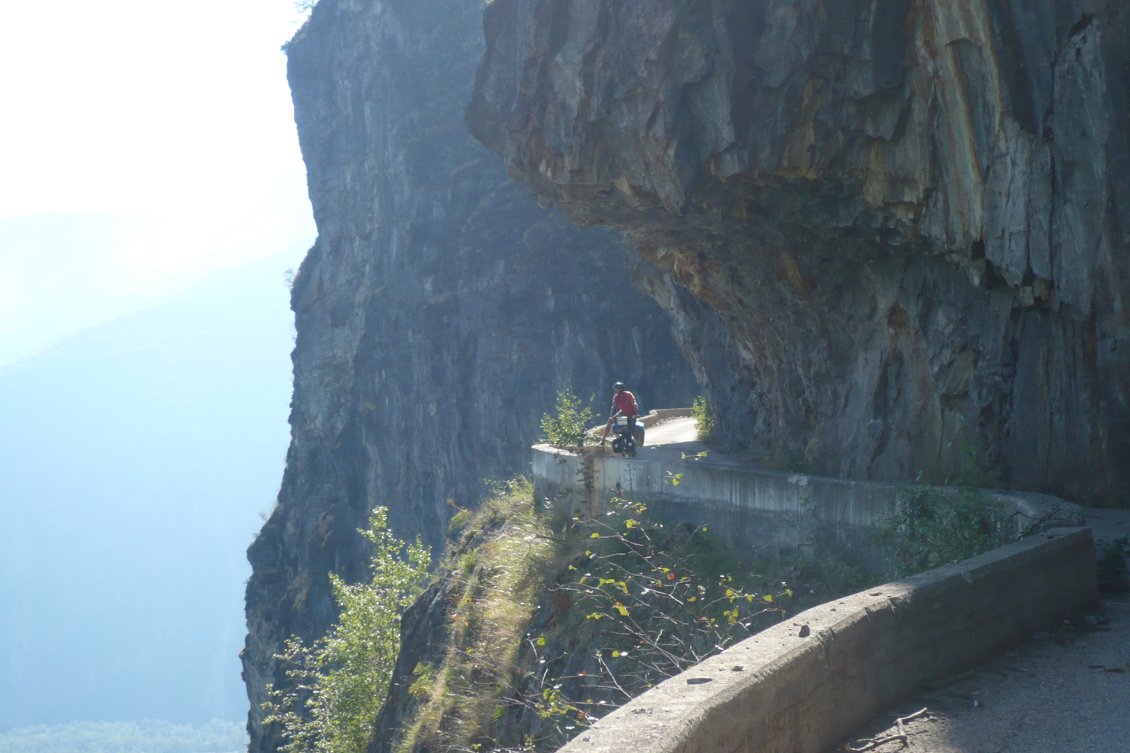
894, 235
437, 314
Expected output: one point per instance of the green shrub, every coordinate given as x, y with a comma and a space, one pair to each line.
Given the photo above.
339, 682
703, 418
423, 680
935, 526
566, 428
459, 521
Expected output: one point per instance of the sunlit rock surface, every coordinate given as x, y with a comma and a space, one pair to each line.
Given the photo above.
437, 314
894, 235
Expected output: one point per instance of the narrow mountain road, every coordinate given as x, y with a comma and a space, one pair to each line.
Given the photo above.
677, 438
1064, 690
672, 431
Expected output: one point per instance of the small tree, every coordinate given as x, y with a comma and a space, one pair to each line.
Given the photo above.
339, 682
566, 428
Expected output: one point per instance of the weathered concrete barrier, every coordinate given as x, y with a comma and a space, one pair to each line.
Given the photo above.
805, 684
756, 512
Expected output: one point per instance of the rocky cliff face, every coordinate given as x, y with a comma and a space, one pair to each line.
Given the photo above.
888, 236
437, 313
892, 234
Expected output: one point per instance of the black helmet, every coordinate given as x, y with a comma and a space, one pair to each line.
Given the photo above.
618, 386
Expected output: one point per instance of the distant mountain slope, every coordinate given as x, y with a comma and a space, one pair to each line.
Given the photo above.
147, 736
135, 462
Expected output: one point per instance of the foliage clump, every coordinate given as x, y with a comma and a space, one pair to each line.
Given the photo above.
703, 418
566, 428
935, 526
338, 683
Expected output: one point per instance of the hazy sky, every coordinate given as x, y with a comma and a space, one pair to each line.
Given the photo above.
143, 145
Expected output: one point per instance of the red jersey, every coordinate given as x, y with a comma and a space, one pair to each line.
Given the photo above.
625, 402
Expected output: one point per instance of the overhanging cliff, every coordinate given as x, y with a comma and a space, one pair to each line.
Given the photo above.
895, 235
436, 315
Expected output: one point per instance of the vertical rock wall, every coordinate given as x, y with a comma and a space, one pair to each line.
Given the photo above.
894, 235
437, 313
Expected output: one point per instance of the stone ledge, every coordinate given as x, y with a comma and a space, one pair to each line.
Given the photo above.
788, 689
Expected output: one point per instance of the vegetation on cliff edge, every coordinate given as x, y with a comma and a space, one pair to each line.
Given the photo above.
338, 683
566, 428
547, 624
552, 628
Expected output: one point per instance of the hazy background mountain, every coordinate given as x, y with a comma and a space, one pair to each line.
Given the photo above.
136, 461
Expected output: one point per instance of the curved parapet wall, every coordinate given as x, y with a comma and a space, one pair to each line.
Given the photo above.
754, 511
807, 683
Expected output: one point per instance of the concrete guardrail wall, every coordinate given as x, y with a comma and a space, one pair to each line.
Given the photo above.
755, 512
